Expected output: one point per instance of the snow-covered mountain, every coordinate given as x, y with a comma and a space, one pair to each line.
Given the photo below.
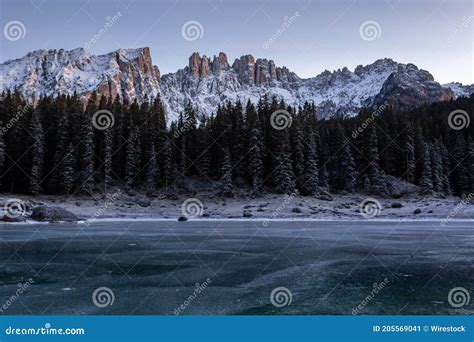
206, 82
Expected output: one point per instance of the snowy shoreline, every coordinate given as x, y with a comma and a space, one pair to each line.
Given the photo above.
267, 208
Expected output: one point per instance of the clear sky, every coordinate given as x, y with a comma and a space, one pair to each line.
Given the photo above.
321, 34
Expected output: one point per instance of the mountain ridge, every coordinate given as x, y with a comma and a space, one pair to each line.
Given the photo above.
207, 81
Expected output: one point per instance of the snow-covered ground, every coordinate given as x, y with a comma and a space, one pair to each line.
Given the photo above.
271, 206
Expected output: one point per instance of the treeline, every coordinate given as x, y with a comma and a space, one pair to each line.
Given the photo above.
61, 147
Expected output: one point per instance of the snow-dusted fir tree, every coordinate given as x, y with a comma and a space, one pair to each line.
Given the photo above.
152, 168
169, 168
86, 148
426, 181
255, 164
108, 142
408, 154
348, 167
37, 153
378, 183
470, 161
309, 185
225, 183
446, 170
283, 177
461, 178
323, 175
298, 153
132, 162
67, 177
436, 168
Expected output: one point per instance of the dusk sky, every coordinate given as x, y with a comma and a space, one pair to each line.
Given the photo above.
435, 35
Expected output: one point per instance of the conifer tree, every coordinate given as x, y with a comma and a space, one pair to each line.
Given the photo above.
426, 182
436, 168
133, 160
151, 170
37, 154
408, 157
226, 174
255, 158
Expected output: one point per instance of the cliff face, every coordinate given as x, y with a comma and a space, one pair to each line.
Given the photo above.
125, 72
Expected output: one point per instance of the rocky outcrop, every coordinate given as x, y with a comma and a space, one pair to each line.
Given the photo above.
202, 66
261, 71
245, 68
411, 87
45, 213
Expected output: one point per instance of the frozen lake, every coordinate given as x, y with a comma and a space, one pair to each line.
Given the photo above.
153, 267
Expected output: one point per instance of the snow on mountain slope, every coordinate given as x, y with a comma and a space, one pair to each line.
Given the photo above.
126, 72
459, 89
208, 82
